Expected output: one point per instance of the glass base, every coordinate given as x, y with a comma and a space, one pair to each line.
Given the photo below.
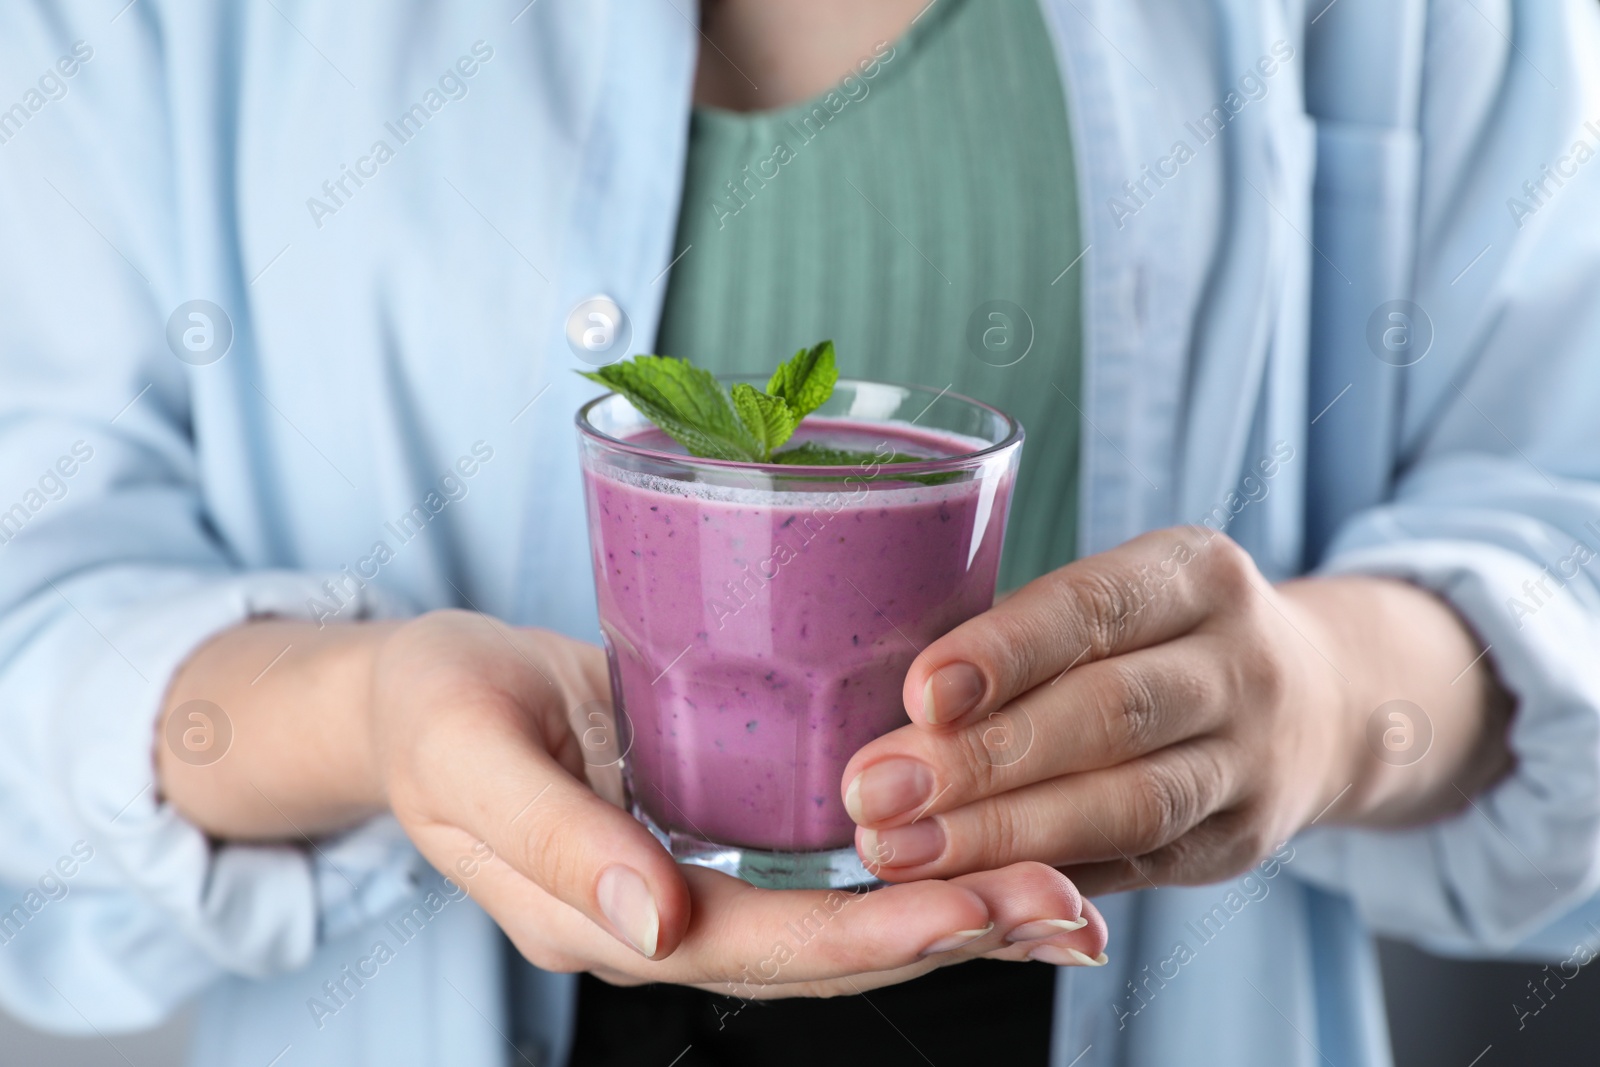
839, 868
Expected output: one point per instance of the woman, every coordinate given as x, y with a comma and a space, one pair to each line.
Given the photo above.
1255, 270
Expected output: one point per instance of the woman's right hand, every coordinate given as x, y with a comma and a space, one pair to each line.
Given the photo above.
463, 729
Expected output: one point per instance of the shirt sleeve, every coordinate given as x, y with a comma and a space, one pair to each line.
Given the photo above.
113, 909
1497, 506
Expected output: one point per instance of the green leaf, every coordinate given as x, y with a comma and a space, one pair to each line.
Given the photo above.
768, 418
692, 408
812, 454
686, 402
807, 380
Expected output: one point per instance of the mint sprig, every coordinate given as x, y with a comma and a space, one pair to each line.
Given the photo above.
806, 382
744, 424
688, 403
769, 419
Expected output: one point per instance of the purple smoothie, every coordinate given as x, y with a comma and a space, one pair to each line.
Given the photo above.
758, 638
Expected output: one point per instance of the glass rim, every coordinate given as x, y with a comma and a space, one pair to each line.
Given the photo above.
1013, 435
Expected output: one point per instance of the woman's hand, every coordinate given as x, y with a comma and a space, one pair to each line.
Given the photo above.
464, 728
1159, 713
481, 765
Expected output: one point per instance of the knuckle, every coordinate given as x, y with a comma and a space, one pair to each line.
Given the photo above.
1203, 692
1168, 804
1190, 860
549, 858
1014, 654
1252, 676
1268, 679
1133, 707
1223, 846
999, 834
1105, 604
1135, 873
1231, 569
979, 770
1210, 768
1164, 866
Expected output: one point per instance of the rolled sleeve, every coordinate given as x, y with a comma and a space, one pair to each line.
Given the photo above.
174, 908
1495, 498
1527, 850
116, 562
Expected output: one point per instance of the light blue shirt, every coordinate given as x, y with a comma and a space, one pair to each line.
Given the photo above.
397, 207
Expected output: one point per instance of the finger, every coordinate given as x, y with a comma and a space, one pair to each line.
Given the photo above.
554, 830
1098, 716
1027, 903
746, 939
1030, 906
806, 936
1222, 846
1085, 946
1151, 589
1117, 813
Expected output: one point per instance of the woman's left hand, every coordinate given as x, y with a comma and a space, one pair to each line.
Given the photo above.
1161, 714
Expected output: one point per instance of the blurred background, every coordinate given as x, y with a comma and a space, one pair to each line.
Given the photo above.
1442, 1013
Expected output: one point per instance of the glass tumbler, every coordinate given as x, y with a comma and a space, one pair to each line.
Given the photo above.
759, 619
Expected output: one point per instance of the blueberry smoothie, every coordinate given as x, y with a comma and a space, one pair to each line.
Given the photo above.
759, 637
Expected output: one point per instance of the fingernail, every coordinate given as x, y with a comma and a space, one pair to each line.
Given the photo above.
1043, 928
626, 901
956, 940
905, 846
951, 692
1067, 957
887, 789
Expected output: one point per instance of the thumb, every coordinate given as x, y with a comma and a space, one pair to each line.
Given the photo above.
559, 834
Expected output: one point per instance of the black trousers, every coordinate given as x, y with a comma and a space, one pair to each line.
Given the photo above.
979, 1012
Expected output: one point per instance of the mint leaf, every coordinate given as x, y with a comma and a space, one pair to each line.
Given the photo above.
687, 403
812, 454
807, 380
691, 407
768, 418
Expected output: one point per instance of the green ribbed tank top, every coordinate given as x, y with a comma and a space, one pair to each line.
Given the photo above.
923, 215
